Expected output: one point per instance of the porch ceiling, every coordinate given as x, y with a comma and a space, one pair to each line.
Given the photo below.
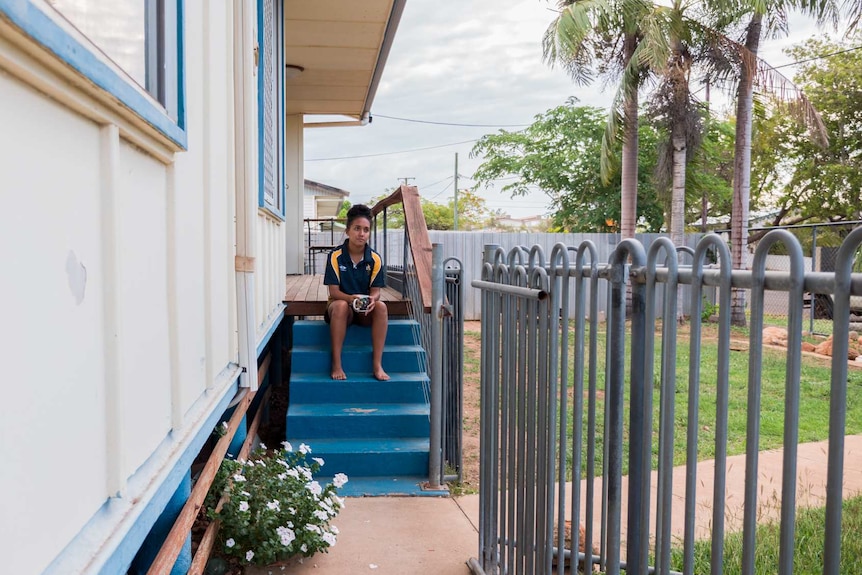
343, 45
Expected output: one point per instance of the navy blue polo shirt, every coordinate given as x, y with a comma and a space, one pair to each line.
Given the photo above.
354, 279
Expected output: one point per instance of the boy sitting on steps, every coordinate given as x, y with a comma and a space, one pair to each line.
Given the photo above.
354, 270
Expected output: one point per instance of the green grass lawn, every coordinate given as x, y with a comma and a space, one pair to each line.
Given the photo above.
814, 398
808, 553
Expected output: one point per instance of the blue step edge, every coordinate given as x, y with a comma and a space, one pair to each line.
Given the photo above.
402, 485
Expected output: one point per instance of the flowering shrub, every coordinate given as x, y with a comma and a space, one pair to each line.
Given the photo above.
274, 509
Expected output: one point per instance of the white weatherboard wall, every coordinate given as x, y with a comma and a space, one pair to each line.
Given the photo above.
118, 301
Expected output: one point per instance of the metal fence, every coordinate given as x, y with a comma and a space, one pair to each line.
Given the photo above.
535, 361
820, 244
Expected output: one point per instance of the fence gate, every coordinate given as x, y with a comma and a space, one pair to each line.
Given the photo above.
569, 399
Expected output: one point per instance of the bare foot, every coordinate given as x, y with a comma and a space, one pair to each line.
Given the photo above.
339, 374
381, 375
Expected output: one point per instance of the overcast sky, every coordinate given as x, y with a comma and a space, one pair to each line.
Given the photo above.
463, 62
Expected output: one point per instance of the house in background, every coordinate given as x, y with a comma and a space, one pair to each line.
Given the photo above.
322, 201
151, 206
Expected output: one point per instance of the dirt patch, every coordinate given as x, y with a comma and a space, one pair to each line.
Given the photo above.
471, 406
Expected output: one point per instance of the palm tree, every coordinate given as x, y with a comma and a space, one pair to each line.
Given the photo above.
773, 15
582, 30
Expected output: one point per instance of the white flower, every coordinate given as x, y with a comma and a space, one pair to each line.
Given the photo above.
287, 446
250, 463
304, 449
322, 515
328, 538
262, 446
339, 480
230, 543
293, 473
318, 460
313, 528
274, 505
249, 554
243, 505
314, 487
334, 529
261, 463
238, 478
291, 510
304, 548
246, 493
282, 476
306, 472
286, 535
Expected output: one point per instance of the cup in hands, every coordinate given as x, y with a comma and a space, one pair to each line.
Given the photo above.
361, 304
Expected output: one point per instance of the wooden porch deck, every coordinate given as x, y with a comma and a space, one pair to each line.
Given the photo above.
307, 295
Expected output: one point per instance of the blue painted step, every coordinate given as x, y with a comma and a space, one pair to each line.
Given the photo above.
367, 457
368, 420
375, 432
356, 359
316, 333
401, 388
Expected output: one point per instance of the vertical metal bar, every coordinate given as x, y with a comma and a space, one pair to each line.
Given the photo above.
593, 377
606, 422
838, 402
385, 236
813, 269
791, 401
531, 443
614, 410
639, 477
438, 286
487, 535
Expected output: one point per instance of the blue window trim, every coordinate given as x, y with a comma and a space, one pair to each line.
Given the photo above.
40, 27
261, 196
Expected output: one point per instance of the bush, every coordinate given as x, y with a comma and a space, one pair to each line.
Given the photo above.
274, 508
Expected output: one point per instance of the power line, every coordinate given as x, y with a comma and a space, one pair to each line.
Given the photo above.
452, 123
391, 153
812, 59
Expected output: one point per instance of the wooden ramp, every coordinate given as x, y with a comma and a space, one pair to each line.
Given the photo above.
307, 296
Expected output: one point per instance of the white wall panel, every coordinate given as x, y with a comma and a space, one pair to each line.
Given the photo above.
189, 250
269, 269
52, 429
144, 338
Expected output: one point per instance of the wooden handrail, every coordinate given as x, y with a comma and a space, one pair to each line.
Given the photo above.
417, 233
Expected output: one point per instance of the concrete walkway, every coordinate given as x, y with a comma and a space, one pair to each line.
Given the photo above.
436, 536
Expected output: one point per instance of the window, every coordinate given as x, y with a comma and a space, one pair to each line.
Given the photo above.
271, 105
143, 38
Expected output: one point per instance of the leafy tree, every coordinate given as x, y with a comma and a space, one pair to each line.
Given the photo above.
589, 38
825, 183
560, 153
472, 210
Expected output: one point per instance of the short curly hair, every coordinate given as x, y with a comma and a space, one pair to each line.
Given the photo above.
359, 211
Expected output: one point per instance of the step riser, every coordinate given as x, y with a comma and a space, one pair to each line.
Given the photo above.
355, 360
316, 333
358, 425
325, 390
392, 463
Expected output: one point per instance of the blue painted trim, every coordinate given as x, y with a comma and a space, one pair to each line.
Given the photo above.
272, 213
24, 15
261, 194
268, 335
278, 213
181, 65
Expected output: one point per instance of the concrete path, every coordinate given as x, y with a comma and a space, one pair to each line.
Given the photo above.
436, 536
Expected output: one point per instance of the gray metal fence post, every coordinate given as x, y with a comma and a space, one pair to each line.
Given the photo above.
438, 288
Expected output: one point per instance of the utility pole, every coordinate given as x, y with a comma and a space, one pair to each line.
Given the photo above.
406, 183
455, 210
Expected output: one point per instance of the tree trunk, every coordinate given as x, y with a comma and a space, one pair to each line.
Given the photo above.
742, 167
629, 168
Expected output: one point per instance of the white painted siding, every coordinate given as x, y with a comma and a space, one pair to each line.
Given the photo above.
52, 426
96, 208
